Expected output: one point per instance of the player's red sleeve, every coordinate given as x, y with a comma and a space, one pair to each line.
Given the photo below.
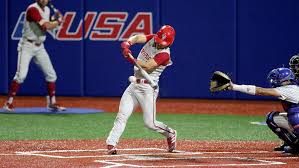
33, 15
162, 58
148, 37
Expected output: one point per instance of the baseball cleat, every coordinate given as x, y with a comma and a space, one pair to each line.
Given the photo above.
111, 150
171, 141
8, 107
55, 107
280, 148
288, 149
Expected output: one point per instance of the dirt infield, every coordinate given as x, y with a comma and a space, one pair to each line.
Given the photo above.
148, 153
142, 153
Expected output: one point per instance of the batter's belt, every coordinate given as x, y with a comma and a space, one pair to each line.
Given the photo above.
142, 81
33, 42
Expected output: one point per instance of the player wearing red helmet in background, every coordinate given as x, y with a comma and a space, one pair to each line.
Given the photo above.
154, 57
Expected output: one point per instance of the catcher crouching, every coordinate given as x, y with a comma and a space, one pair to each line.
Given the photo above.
283, 86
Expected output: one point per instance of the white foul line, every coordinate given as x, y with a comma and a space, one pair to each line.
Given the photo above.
151, 157
115, 163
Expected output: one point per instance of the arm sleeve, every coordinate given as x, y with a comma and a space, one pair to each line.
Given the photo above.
149, 37
33, 15
162, 58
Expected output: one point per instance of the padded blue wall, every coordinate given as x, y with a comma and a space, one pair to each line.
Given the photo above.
204, 43
3, 47
267, 38
245, 38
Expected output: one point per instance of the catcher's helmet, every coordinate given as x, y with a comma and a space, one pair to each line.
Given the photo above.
279, 75
165, 36
294, 64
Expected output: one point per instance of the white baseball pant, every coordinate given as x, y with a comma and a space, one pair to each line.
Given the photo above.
28, 51
145, 96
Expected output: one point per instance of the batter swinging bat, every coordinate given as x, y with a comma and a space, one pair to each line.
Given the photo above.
144, 74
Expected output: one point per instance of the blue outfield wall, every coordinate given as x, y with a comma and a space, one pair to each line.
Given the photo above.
3, 47
246, 38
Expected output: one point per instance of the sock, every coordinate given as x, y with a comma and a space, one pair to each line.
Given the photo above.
14, 87
51, 100
51, 87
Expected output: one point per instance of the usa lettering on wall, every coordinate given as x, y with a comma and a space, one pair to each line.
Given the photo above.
98, 26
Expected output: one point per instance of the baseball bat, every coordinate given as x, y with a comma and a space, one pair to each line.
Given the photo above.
144, 73
50, 3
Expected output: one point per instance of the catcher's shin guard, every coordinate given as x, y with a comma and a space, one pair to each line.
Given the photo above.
294, 121
288, 137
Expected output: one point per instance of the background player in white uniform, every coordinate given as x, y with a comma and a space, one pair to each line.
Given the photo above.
31, 46
154, 57
284, 87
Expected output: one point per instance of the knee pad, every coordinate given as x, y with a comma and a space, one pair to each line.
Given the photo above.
270, 120
287, 136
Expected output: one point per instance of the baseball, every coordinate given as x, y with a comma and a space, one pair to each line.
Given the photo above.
132, 79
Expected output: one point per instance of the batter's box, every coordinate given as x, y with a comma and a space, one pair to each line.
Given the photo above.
93, 153
191, 161
151, 157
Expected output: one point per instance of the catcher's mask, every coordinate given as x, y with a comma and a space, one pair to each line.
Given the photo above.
165, 36
294, 65
279, 75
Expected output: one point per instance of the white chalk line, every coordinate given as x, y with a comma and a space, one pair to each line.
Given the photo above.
151, 157
7, 154
43, 153
94, 150
115, 163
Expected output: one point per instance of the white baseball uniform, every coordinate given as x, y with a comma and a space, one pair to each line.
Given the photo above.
31, 45
142, 94
289, 93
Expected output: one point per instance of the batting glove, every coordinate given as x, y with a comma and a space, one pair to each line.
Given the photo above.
58, 17
126, 52
125, 45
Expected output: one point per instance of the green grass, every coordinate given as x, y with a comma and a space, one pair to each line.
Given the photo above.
97, 126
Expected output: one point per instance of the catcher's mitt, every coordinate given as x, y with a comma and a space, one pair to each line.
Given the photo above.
219, 81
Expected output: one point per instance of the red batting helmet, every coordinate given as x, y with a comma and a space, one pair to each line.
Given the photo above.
165, 36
